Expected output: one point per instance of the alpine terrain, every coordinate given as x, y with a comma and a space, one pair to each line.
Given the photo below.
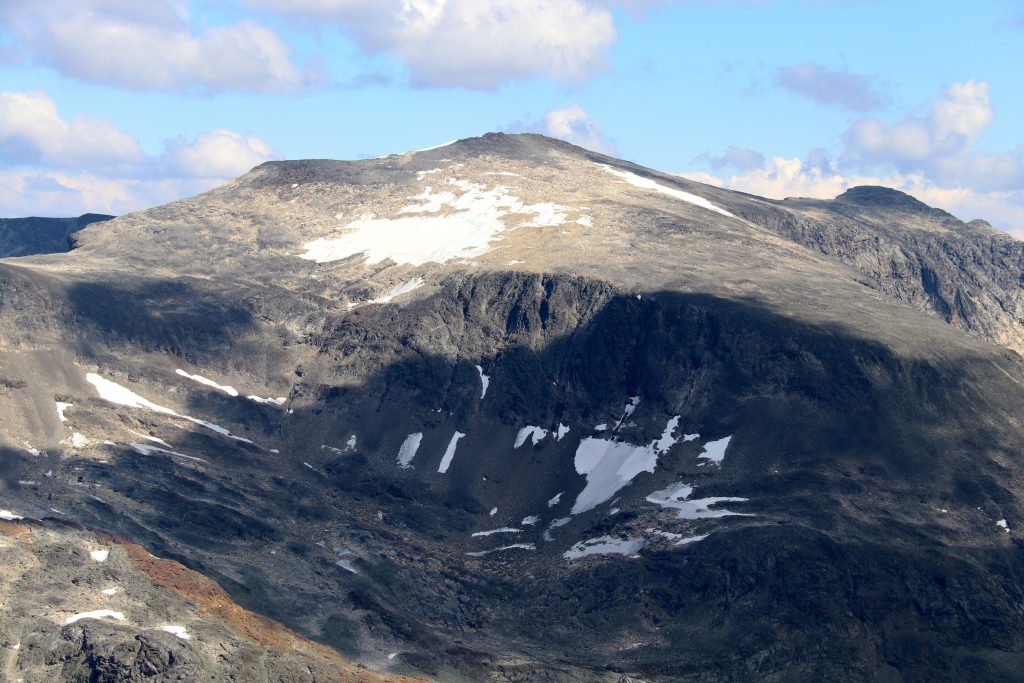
510, 410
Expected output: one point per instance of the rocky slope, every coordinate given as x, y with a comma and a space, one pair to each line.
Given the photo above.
511, 410
27, 236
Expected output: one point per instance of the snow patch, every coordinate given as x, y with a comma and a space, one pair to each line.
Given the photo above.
502, 530
691, 437
398, 290
230, 391
110, 591
79, 440
95, 614
279, 401
611, 465
179, 631
61, 407
514, 546
449, 453
408, 450
677, 497
530, 521
603, 427
9, 516
493, 512
562, 431
1002, 525
627, 410
144, 449
648, 184
556, 500
478, 219
585, 221
485, 381
536, 433
605, 545
99, 555
714, 451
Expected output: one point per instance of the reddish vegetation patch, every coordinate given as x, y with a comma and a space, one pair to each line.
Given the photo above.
213, 601
19, 530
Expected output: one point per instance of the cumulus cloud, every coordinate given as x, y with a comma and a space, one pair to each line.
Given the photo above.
218, 154
572, 124
87, 164
830, 86
471, 43
780, 177
932, 157
148, 46
31, 130
734, 157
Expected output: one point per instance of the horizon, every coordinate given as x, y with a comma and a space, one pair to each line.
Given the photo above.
109, 107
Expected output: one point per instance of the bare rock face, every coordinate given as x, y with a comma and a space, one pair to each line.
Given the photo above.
512, 410
27, 236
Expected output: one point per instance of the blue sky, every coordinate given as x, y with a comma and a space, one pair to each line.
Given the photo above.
116, 105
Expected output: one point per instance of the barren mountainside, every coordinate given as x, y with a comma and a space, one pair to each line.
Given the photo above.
511, 410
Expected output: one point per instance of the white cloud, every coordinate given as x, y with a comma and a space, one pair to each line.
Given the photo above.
31, 130
573, 124
471, 43
44, 159
779, 178
932, 157
149, 46
218, 154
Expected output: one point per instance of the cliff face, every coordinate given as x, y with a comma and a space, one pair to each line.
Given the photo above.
27, 236
511, 410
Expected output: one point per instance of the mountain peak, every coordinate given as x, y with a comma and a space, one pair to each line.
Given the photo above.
883, 197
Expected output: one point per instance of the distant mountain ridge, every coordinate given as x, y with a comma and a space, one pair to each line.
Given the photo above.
34, 235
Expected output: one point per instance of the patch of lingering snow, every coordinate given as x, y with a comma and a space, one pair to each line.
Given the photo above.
346, 565
514, 546
493, 512
350, 445
605, 545
9, 516
110, 591
61, 407
115, 393
714, 451
555, 524
479, 219
691, 539
677, 497
427, 149
585, 221
99, 555
536, 433
562, 431
392, 655
79, 440
398, 290
530, 521
408, 450
279, 401
611, 465
1002, 525
485, 381
648, 184
504, 173
178, 631
230, 391
34, 452
449, 453
144, 449
691, 437
502, 530
420, 175
557, 499
630, 406
603, 427
95, 614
